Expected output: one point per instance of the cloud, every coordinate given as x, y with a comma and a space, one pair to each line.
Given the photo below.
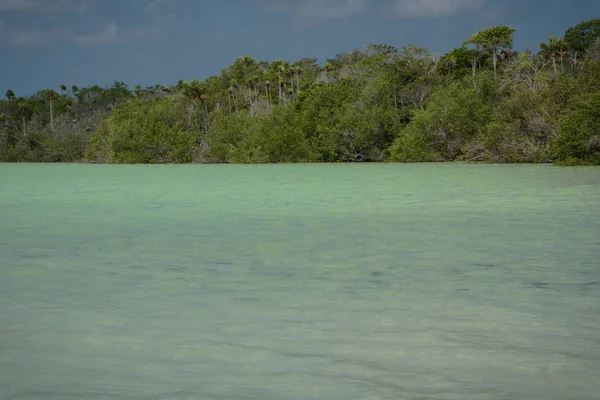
318, 9
412, 9
105, 36
39, 37
155, 4
48, 37
43, 5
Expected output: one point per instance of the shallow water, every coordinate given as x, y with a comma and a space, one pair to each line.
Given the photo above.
299, 282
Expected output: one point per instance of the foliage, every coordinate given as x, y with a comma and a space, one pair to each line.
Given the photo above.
454, 116
519, 131
492, 40
480, 102
581, 36
456, 62
143, 132
579, 137
556, 48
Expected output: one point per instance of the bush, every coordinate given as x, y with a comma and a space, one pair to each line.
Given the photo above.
578, 141
453, 117
520, 130
143, 132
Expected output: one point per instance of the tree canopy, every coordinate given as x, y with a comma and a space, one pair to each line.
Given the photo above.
581, 36
493, 40
480, 102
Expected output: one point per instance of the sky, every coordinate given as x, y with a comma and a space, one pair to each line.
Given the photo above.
45, 43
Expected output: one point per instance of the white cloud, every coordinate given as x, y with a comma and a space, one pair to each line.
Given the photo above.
43, 5
105, 36
319, 9
408, 9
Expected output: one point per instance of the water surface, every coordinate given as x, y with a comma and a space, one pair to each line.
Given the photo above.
299, 282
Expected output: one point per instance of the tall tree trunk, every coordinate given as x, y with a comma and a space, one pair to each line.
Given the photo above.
298, 82
51, 115
562, 66
495, 58
207, 122
279, 87
268, 98
474, 67
292, 83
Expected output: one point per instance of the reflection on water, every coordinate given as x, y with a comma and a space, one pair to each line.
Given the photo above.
299, 282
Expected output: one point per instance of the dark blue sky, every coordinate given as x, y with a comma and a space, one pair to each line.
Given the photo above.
44, 43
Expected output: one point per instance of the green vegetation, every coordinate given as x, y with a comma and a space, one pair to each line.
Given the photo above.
477, 103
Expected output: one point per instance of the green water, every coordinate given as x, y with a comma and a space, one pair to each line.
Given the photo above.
299, 282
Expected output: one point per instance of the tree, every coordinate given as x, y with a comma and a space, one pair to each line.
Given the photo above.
579, 137
494, 40
369, 104
146, 131
456, 61
309, 71
296, 70
454, 117
593, 52
554, 48
51, 95
581, 36
332, 70
281, 68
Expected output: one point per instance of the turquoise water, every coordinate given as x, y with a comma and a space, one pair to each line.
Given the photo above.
299, 282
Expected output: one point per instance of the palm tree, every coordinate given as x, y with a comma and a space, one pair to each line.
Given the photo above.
51, 95
332, 70
492, 40
294, 71
262, 74
10, 95
555, 47
450, 64
280, 71
297, 69
280, 68
204, 97
232, 88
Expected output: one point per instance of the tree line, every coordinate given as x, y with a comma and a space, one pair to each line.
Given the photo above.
480, 102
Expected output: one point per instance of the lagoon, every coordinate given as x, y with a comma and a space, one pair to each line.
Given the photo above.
372, 281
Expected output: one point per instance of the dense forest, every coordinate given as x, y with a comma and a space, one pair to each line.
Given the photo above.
480, 102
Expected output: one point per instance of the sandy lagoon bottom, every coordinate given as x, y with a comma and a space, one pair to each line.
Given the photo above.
299, 282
